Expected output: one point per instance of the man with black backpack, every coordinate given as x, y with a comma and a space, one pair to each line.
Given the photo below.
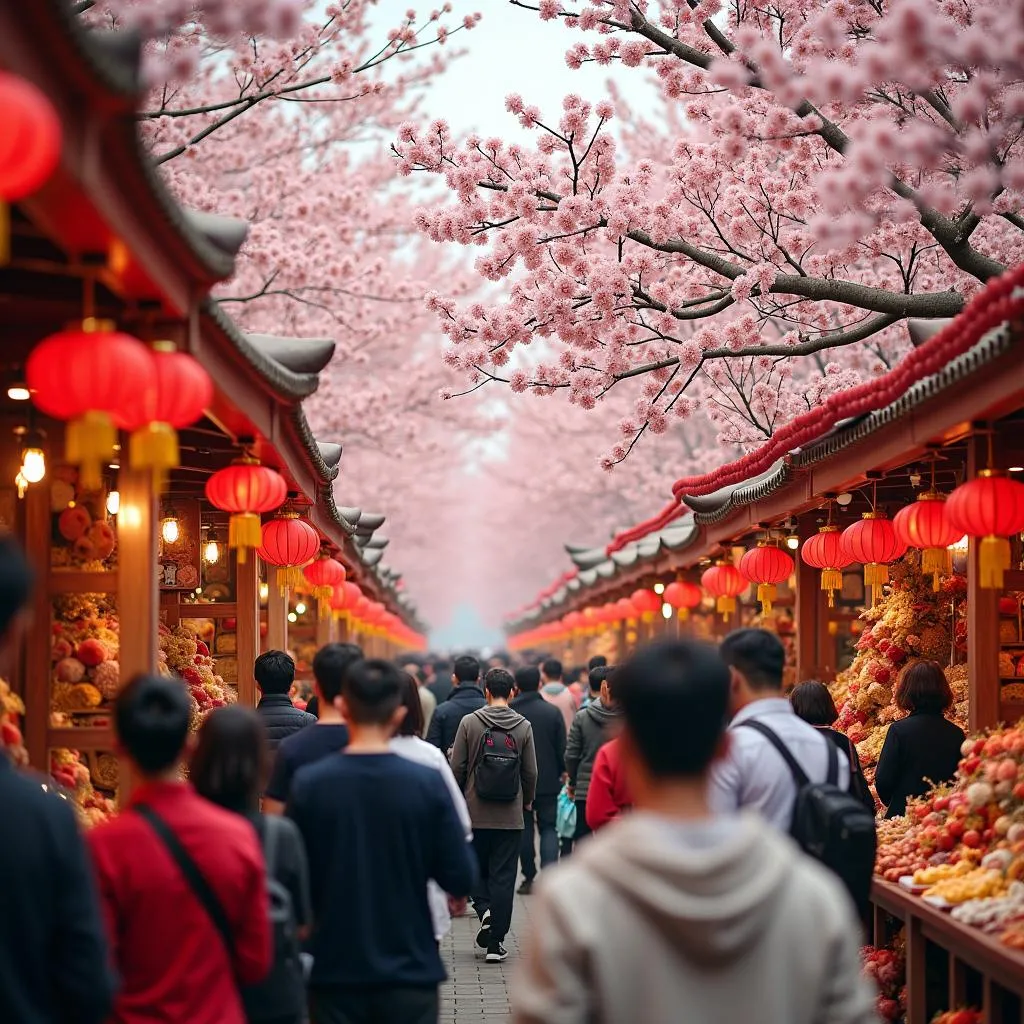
495, 765
786, 770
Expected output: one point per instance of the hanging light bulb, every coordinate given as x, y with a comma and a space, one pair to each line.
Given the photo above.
292, 617
211, 553
21, 483
666, 611
113, 502
300, 608
169, 529
659, 588
33, 464
18, 393
264, 591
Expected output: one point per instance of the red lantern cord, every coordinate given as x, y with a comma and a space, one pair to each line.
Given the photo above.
289, 543
766, 565
246, 489
724, 582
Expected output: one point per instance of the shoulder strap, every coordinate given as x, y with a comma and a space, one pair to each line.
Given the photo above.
833, 763
193, 876
799, 775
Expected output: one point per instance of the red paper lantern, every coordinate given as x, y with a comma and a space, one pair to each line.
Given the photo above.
991, 507
324, 574
824, 551
88, 375
873, 542
647, 603
683, 596
573, 622
926, 526
246, 489
766, 565
624, 609
180, 391
289, 543
724, 582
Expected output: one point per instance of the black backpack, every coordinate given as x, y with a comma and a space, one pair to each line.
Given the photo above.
830, 824
497, 767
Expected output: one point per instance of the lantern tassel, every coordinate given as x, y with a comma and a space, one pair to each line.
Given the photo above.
244, 531
993, 561
289, 577
766, 595
88, 444
935, 563
726, 606
684, 614
155, 447
876, 574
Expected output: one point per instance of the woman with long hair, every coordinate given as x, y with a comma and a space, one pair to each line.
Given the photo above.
408, 743
230, 767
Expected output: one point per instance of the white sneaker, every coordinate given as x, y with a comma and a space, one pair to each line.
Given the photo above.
496, 954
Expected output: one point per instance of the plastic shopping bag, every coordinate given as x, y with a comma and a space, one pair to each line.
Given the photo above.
565, 815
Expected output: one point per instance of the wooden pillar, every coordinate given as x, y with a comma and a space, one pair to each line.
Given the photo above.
37, 653
343, 629
810, 610
982, 621
138, 595
277, 612
247, 589
324, 627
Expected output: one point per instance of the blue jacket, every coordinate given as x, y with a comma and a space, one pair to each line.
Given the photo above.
464, 700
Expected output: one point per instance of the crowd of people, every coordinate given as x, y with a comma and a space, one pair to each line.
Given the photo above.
289, 865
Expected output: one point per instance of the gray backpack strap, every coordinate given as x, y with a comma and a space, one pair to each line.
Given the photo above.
270, 843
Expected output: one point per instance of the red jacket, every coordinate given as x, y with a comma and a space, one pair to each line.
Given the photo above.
171, 959
608, 795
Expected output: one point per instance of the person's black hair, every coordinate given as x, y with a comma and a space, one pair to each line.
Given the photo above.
923, 687
573, 674
598, 676
675, 700
597, 661
466, 669
231, 761
499, 683
372, 690
274, 672
412, 724
757, 655
528, 679
16, 581
152, 715
441, 667
813, 703
329, 666
412, 669
552, 669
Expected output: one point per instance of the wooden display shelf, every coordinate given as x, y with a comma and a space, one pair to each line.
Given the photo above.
74, 582
1000, 968
82, 737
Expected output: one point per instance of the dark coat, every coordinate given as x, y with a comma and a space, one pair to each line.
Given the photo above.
548, 739
922, 747
591, 729
281, 717
464, 700
54, 964
441, 688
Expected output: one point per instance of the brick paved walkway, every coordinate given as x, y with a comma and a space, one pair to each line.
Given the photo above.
477, 992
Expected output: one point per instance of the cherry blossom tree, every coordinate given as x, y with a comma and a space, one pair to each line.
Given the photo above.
820, 171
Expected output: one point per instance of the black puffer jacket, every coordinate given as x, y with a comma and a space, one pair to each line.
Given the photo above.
281, 717
464, 700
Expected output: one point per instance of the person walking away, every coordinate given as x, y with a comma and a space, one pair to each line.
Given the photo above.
465, 698
229, 768
814, 704
377, 828
923, 749
182, 881
677, 912
495, 765
408, 743
591, 729
554, 691
593, 693
275, 673
428, 702
549, 746
329, 736
608, 796
53, 950
442, 682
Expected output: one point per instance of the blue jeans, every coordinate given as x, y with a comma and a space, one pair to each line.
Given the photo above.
543, 814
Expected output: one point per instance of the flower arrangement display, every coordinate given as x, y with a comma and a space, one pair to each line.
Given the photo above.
84, 648
183, 654
83, 537
887, 967
11, 710
69, 771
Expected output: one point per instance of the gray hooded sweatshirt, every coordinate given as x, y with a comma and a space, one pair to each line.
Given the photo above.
466, 752
591, 729
723, 922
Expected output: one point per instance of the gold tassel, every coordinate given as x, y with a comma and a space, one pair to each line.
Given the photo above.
935, 562
766, 594
289, 577
993, 561
831, 579
155, 446
726, 606
876, 574
89, 443
244, 531
684, 614
647, 617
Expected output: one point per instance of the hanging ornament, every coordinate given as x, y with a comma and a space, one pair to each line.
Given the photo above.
88, 375
180, 391
767, 565
324, 574
624, 610
872, 541
724, 582
289, 543
683, 596
246, 489
989, 507
925, 525
647, 603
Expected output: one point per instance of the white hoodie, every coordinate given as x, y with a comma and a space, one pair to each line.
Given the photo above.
723, 922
